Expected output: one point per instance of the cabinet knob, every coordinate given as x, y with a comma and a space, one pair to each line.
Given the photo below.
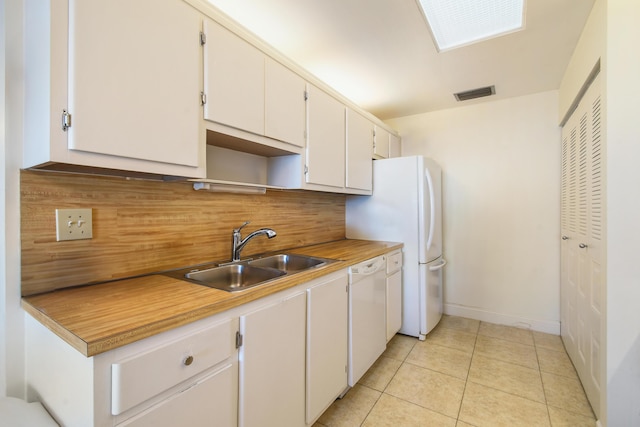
565, 238
188, 361
582, 245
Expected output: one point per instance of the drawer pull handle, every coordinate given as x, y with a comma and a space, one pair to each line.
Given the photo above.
188, 361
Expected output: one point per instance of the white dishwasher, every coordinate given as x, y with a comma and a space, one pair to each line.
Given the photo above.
367, 311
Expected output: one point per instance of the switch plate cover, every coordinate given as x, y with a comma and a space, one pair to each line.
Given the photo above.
74, 224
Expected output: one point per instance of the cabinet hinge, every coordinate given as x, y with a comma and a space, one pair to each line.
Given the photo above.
306, 95
66, 120
203, 38
306, 169
203, 98
238, 339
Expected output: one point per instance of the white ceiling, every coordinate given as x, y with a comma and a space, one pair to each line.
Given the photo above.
380, 54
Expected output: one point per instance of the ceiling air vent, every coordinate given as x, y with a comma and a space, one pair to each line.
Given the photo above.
475, 93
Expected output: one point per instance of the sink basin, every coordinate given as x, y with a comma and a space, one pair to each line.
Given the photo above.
246, 274
234, 277
288, 262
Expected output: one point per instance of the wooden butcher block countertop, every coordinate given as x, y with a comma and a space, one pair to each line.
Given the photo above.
98, 318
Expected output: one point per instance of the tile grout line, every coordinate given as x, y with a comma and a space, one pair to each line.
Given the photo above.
386, 386
544, 391
466, 380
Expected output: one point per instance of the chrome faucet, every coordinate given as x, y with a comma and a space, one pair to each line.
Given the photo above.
239, 242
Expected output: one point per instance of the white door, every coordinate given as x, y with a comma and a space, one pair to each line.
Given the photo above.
285, 105
327, 306
381, 143
430, 295
272, 365
133, 92
582, 209
359, 164
325, 144
233, 80
394, 304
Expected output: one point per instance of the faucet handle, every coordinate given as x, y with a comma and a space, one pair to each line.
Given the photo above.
237, 230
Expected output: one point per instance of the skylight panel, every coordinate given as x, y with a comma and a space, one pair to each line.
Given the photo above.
456, 23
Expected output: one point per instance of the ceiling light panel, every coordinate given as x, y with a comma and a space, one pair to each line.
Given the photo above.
456, 23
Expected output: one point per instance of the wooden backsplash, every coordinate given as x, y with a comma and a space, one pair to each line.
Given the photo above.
145, 226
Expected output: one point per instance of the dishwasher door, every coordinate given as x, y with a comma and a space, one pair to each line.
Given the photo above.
367, 311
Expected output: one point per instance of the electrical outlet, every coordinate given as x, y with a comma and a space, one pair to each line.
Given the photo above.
73, 224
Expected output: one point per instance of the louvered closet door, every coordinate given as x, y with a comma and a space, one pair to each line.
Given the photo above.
582, 271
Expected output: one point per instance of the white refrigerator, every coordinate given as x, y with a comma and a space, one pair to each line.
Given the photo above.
406, 206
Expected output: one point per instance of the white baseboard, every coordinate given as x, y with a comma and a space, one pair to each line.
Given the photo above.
547, 326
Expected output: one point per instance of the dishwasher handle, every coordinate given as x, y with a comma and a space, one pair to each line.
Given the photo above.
369, 267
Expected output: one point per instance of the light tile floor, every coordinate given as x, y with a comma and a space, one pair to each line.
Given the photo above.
467, 373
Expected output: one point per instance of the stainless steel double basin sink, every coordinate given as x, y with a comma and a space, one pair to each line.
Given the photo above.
247, 274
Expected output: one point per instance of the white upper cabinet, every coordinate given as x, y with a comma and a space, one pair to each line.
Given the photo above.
359, 150
247, 90
133, 94
234, 80
381, 143
386, 145
394, 146
339, 150
326, 140
285, 104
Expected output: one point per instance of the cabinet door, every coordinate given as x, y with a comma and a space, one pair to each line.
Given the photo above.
325, 145
359, 150
394, 146
233, 80
272, 365
381, 143
327, 306
134, 91
394, 304
209, 402
285, 104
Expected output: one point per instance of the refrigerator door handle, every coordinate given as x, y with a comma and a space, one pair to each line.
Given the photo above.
439, 266
432, 217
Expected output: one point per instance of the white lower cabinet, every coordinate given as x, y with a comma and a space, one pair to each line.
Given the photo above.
272, 386
278, 361
394, 293
187, 376
195, 379
207, 402
327, 322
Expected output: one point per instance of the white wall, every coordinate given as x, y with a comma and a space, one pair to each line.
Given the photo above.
501, 179
622, 66
12, 317
3, 146
589, 49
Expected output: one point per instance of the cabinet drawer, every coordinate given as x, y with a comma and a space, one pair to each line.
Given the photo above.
394, 262
209, 402
140, 377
